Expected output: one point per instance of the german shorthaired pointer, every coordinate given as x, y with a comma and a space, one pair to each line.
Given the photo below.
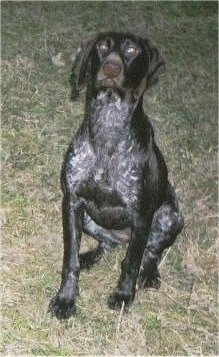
114, 178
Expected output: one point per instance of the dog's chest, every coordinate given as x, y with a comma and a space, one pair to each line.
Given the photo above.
107, 175
114, 180
114, 176
111, 192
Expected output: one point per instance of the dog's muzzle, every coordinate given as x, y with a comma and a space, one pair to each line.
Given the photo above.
111, 72
112, 69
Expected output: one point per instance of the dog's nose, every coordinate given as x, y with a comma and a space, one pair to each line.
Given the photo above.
111, 69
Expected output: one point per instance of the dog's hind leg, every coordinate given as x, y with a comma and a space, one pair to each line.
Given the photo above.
166, 225
108, 239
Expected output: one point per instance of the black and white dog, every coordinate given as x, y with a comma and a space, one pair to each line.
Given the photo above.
114, 178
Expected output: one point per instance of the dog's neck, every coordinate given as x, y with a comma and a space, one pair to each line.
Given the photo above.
111, 117
110, 110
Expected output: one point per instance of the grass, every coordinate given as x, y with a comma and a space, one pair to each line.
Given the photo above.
38, 121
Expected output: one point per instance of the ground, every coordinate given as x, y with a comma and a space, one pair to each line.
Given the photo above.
38, 121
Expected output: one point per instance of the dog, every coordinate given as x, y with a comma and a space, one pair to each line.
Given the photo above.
114, 178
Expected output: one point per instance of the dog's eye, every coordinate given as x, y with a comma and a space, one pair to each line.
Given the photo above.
103, 47
131, 50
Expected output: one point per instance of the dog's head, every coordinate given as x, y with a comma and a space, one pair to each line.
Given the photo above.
118, 60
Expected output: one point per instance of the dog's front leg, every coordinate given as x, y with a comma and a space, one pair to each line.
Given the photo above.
125, 291
63, 305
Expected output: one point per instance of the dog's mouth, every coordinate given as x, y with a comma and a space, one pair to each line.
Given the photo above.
110, 83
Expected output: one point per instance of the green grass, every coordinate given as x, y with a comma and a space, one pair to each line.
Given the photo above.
38, 122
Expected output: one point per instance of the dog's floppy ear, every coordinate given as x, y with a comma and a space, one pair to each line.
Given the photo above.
156, 64
80, 64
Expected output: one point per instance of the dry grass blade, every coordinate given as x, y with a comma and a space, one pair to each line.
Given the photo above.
120, 317
164, 257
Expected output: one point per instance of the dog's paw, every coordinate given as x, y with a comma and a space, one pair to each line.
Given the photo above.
151, 281
117, 298
61, 307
